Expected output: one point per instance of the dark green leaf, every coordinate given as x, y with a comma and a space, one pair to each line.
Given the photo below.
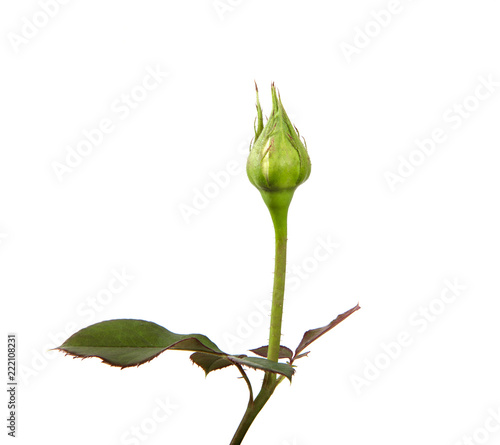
314, 334
210, 362
264, 364
284, 352
129, 342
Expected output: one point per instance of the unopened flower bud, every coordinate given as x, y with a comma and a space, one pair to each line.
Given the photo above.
278, 162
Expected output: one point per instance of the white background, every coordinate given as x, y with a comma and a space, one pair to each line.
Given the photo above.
360, 100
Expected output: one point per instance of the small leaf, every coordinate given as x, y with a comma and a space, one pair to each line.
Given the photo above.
304, 354
283, 353
210, 362
264, 365
128, 342
314, 334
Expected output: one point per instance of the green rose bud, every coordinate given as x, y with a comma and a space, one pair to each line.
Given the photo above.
278, 162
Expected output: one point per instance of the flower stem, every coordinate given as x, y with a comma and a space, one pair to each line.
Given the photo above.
279, 216
253, 409
280, 229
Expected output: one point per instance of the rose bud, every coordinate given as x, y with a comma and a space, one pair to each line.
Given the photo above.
278, 162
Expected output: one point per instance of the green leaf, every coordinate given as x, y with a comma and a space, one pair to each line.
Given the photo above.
284, 352
210, 362
314, 334
128, 342
264, 365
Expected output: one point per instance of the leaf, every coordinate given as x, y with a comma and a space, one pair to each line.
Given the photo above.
210, 362
314, 334
283, 353
264, 365
128, 342
304, 354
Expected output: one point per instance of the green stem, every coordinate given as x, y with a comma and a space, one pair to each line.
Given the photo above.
253, 409
279, 216
280, 229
